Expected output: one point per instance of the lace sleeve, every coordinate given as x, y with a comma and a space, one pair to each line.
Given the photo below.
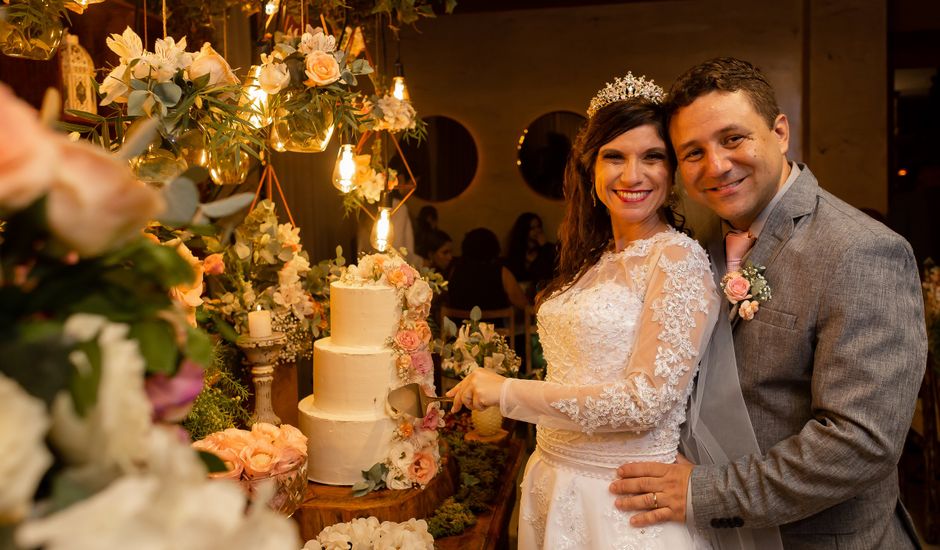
679, 310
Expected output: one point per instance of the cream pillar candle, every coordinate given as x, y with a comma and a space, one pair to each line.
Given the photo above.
259, 323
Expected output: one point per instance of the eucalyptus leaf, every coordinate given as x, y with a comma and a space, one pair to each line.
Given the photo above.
198, 346
227, 206
475, 313
168, 92
137, 101
182, 200
139, 138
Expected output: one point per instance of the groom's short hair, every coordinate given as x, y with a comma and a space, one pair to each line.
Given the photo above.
724, 74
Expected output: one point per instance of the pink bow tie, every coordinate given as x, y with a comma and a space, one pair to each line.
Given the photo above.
737, 243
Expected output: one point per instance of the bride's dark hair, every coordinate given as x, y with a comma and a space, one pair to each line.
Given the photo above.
585, 230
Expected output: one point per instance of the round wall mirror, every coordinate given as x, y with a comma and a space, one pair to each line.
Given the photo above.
443, 164
543, 151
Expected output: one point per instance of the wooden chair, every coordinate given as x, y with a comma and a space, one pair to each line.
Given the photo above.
507, 315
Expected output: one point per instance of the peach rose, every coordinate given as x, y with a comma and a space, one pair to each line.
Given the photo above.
422, 468
263, 431
423, 330
397, 278
233, 439
747, 309
293, 438
259, 459
288, 458
321, 69
737, 287
28, 155
209, 62
95, 202
214, 264
408, 340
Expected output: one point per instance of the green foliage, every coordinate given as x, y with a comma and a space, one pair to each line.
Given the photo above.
450, 518
373, 480
223, 402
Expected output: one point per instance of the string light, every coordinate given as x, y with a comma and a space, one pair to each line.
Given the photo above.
399, 89
345, 169
256, 100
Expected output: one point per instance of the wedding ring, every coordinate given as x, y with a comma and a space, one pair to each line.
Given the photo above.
655, 503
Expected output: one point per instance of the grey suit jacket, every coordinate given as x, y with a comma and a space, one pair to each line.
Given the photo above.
830, 369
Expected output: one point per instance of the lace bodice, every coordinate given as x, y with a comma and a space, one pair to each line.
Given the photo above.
623, 345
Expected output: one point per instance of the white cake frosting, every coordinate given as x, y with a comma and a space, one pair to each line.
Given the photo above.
363, 316
345, 420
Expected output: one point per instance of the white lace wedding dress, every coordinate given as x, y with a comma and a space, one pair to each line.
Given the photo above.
623, 345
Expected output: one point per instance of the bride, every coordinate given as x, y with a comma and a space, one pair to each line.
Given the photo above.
623, 327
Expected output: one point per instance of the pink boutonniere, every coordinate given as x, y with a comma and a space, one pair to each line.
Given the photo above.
746, 290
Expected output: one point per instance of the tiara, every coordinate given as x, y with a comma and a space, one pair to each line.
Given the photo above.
625, 88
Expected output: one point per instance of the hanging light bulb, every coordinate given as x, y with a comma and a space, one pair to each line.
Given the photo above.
345, 169
256, 100
270, 7
382, 232
399, 89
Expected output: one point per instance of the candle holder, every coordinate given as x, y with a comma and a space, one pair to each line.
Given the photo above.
262, 354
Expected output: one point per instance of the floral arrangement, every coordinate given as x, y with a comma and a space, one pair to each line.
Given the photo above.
267, 266
265, 452
98, 361
931, 286
414, 457
746, 290
393, 115
477, 345
183, 90
369, 533
306, 73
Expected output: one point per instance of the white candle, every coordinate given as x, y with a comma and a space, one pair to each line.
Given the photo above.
259, 323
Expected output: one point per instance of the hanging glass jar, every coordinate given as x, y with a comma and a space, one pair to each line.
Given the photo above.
191, 147
157, 166
28, 33
302, 127
228, 165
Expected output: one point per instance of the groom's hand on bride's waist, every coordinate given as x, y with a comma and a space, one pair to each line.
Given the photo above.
656, 491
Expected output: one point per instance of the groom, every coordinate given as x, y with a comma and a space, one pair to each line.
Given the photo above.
829, 366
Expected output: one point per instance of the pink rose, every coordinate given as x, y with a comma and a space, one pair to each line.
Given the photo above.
28, 155
214, 264
737, 287
287, 459
747, 309
95, 202
423, 468
172, 398
408, 340
423, 330
321, 69
434, 418
421, 362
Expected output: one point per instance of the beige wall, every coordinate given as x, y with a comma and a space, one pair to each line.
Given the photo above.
496, 72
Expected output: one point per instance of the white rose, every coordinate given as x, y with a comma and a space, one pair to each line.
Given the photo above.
273, 77
419, 294
115, 431
25, 458
208, 61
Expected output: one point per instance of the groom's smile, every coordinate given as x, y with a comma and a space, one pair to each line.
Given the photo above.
730, 159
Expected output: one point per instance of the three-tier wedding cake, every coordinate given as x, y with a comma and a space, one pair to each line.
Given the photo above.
379, 341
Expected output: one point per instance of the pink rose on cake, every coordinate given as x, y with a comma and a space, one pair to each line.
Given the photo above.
408, 340
422, 468
422, 363
434, 418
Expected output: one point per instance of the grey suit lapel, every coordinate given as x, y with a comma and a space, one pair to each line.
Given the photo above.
799, 201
